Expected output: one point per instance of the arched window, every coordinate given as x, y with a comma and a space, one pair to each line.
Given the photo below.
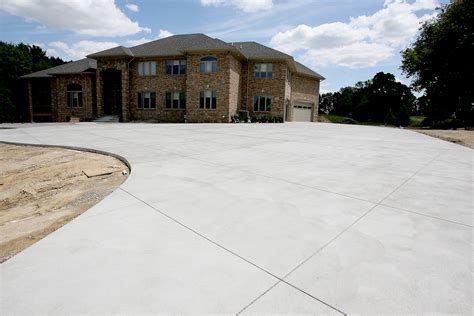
74, 96
209, 64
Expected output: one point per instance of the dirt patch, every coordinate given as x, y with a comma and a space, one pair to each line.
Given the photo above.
458, 136
41, 189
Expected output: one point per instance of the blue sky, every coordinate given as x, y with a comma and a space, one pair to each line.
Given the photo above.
344, 40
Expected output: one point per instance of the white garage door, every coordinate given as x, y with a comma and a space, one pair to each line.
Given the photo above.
302, 112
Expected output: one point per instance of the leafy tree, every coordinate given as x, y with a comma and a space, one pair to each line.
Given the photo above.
16, 61
326, 104
342, 101
381, 99
441, 64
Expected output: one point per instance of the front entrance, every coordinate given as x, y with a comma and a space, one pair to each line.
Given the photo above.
112, 84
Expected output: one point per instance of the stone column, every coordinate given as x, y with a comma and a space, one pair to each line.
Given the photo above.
125, 95
99, 90
30, 102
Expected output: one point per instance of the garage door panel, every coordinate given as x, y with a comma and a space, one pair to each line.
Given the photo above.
302, 112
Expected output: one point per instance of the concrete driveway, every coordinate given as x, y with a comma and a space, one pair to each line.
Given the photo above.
257, 218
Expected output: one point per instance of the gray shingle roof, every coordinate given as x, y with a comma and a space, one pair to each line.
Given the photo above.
302, 69
69, 68
253, 50
112, 52
177, 44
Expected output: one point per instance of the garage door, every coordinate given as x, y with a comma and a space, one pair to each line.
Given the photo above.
302, 112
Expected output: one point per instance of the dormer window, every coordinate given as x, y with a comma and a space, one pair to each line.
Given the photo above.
263, 70
208, 64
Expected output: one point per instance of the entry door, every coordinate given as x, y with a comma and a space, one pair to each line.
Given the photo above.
302, 112
112, 82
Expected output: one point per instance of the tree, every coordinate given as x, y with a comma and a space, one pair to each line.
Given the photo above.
326, 104
440, 63
342, 101
16, 61
381, 100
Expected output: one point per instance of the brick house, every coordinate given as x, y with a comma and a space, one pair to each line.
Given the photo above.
192, 78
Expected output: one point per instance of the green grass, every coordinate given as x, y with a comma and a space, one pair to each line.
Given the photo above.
415, 121
335, 118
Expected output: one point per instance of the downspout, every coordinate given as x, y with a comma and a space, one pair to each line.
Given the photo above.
129, 89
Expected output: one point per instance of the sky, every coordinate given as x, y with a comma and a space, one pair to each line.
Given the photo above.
346, 41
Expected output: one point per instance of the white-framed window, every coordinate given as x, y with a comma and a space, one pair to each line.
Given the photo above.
262, 103
175, 100
147, 68
176, 67
74, 96
263, 70
208, 64
208, 100
146, 100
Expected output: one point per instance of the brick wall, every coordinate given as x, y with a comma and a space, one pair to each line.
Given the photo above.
305, 89
118, 64
235, 85
274, 87
61, 110
160, 84
218, 81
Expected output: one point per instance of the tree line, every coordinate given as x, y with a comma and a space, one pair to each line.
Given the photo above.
17, 60
379, 100
440, 62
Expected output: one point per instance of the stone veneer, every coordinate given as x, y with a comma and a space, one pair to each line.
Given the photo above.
304, 89
215, 81
121, 64
59, 97
234, 82
275, 87
160, 84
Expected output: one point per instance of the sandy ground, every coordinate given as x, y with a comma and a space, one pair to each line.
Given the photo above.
458, 136
41, 189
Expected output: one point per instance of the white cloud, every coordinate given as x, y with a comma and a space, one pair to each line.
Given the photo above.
362, 42
164, 33
244, 5
161, 34
77, 50
132, 7
84, 17
139, 41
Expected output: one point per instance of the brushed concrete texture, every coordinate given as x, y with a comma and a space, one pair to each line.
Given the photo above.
257, 218
394, 262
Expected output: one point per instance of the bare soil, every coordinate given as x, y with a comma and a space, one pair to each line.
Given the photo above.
41, 189
458, 136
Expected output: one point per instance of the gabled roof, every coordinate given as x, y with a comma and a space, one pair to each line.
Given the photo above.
118, 51
73, 67
178, 44
253, 50
303, 70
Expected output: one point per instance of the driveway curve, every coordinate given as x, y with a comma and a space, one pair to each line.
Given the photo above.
257, 218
